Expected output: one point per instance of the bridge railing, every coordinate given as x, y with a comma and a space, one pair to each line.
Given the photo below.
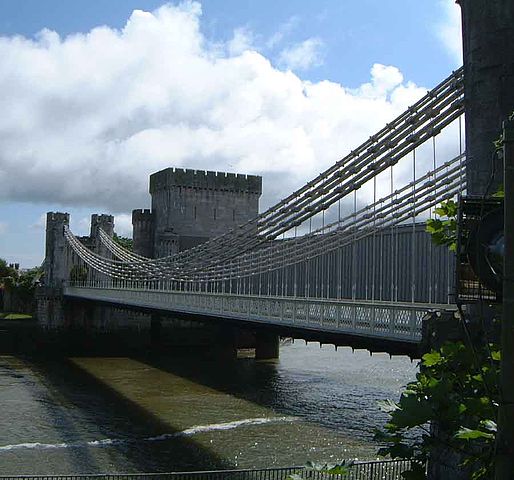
399, 321
383, 470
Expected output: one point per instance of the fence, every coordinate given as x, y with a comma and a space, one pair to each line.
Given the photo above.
379, 470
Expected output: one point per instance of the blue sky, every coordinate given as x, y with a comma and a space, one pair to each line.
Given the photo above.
281, 89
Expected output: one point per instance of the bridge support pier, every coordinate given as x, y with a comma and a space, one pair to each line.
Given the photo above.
155, 330
50, 310
266, 345
225, 345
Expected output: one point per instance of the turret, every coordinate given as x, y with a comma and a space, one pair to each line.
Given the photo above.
55, 264
106, 223
143, 232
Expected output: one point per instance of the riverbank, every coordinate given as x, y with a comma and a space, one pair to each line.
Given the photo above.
14, 316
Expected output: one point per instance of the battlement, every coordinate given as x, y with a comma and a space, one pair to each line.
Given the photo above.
103, 221
141, 215
57, 217
202, 179
100, 219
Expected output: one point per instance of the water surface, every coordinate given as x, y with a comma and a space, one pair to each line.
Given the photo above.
94, 415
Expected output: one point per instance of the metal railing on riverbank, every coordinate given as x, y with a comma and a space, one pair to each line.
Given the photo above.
376, 470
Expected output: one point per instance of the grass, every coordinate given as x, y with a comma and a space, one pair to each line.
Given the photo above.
14, 316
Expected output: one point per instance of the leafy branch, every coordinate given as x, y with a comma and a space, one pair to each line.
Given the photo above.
457, 388
444, 230
341, 469
125, 242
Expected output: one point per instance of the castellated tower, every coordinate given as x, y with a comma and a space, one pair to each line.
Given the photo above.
192, 206
143, 232
55, 264
106, 223
103, 221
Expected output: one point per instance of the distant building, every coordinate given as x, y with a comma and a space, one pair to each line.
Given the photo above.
191, 206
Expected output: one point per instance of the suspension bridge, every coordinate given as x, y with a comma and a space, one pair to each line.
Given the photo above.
344, 258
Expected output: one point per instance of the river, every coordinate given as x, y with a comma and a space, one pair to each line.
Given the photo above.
98, 415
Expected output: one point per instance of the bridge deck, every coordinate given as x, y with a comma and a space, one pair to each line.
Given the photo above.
383, 321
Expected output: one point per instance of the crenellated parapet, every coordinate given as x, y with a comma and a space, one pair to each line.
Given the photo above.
103, 221
202, 179
143, 218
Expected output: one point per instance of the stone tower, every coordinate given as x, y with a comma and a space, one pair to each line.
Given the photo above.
143, 232
55, 264
106, 223
192, 206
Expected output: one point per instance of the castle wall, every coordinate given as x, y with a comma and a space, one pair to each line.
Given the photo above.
191, 206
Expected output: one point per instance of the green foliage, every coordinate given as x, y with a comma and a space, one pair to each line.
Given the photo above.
341, 469
500, 193
498, 143
125, 242
7, 274
78, 273
21, 283
456, 387
28, 279
444, 230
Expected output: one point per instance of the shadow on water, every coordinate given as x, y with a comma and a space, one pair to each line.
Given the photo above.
254, 381
330, 398
99, 398
59, 422
114, 417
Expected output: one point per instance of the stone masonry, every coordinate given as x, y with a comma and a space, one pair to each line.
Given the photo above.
55, 264
58, 264
488, 40
192, 206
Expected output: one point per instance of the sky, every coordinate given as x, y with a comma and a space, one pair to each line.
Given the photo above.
96, 96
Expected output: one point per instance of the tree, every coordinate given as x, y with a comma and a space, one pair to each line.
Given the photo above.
78, 273
125, 242
6, 271
456, 387
21, 285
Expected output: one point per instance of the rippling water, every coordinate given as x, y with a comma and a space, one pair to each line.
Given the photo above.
92, 415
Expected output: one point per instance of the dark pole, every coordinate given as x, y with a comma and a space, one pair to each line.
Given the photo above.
504, 467
488, 48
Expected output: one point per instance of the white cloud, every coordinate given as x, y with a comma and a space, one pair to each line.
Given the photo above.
283, 31
86, 118
3, 227
449, 30
40, 223
384, 80
80, 225
303, 55
241, 41
123, 225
